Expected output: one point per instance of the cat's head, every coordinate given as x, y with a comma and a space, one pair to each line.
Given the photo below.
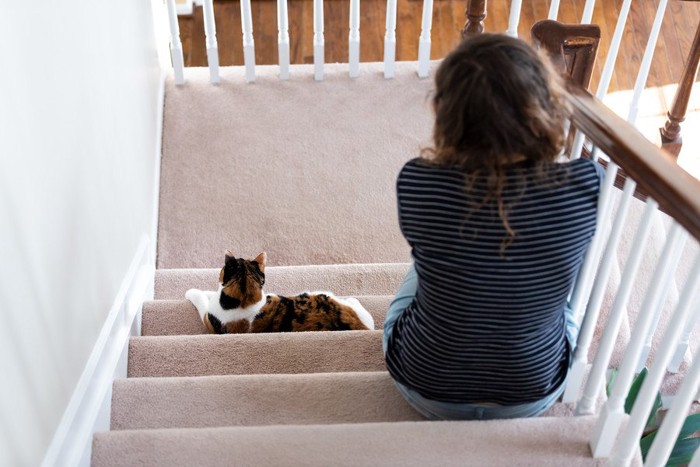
242, 281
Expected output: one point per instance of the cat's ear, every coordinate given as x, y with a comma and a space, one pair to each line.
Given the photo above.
228, 255
261, 259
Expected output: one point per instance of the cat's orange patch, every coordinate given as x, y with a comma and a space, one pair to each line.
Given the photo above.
208, 325
237, 327
305, 313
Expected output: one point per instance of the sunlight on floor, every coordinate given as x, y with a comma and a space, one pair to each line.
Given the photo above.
654, 105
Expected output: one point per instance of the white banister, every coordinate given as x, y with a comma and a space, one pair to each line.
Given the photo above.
584, 280
319, 41
665, 285
424, 42
553, 10
577, 371
611, 416
684, 341
596, 377
354, 39
248, 42
514, 18
176, 45
664, 441
588, 12
390, 39
646, 62
212, 47
614, 50
283, 38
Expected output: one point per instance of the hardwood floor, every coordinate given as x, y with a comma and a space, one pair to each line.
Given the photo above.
678, 28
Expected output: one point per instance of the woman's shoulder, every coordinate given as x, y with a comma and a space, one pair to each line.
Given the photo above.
586, 165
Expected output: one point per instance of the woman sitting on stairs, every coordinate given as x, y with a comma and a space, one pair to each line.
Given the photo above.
498, 226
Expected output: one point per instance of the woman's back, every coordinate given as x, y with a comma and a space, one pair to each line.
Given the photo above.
490, 319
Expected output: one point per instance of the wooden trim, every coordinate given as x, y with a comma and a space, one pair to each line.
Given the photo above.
654, 170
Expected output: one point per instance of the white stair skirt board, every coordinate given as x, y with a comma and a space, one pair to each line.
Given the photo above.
90, 405
89, 408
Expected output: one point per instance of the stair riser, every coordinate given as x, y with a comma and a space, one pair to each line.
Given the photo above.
232, 354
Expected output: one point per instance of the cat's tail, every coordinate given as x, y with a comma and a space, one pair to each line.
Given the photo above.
360, 311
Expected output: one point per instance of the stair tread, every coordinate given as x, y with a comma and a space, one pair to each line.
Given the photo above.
277, 399
180, 317
341, 279
266, 399
301, 352
538, 441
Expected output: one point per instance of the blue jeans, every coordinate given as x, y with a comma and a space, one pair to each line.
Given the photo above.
436, 410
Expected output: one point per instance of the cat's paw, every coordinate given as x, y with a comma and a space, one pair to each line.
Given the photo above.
192, 294
199, 300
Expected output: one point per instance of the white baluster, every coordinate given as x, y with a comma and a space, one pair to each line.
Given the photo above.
514, 18
684, 342
584, 280
674, 257
596, 377
319, 41
390, 39
614, 50
248, 42
612, 414
176, 45
354, 39
212, 47
424, 43
553, 10
661, 447
643, 74
283, 38
695, 461
588, 12
577, 147
590, 319
673, 421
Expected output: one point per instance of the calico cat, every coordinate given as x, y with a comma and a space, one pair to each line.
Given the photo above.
240, 305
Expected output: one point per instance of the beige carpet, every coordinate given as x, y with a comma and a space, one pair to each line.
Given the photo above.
304, 171
537, 442
301, 169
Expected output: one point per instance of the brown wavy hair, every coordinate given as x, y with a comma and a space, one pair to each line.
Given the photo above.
497, 101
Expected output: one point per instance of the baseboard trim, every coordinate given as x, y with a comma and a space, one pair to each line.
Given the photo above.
88, 410
155, 202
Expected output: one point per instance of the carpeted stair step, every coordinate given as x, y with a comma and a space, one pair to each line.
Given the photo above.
235, 354
341, 279
544, 441
272, 399
180, 317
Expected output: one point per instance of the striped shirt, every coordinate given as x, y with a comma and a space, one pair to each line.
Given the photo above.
486, 327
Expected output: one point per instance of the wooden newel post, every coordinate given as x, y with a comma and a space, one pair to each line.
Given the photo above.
476, 13
671, 132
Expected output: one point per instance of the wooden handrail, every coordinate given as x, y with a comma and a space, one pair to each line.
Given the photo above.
654, 170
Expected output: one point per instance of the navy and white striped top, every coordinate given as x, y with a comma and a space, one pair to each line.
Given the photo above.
486, 327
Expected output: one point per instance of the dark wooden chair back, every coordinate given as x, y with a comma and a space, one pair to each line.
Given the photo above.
573, 47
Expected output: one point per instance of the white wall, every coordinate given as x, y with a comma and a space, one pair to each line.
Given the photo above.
79, 83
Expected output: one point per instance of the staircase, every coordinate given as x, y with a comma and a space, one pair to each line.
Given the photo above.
304, 170
297, 399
